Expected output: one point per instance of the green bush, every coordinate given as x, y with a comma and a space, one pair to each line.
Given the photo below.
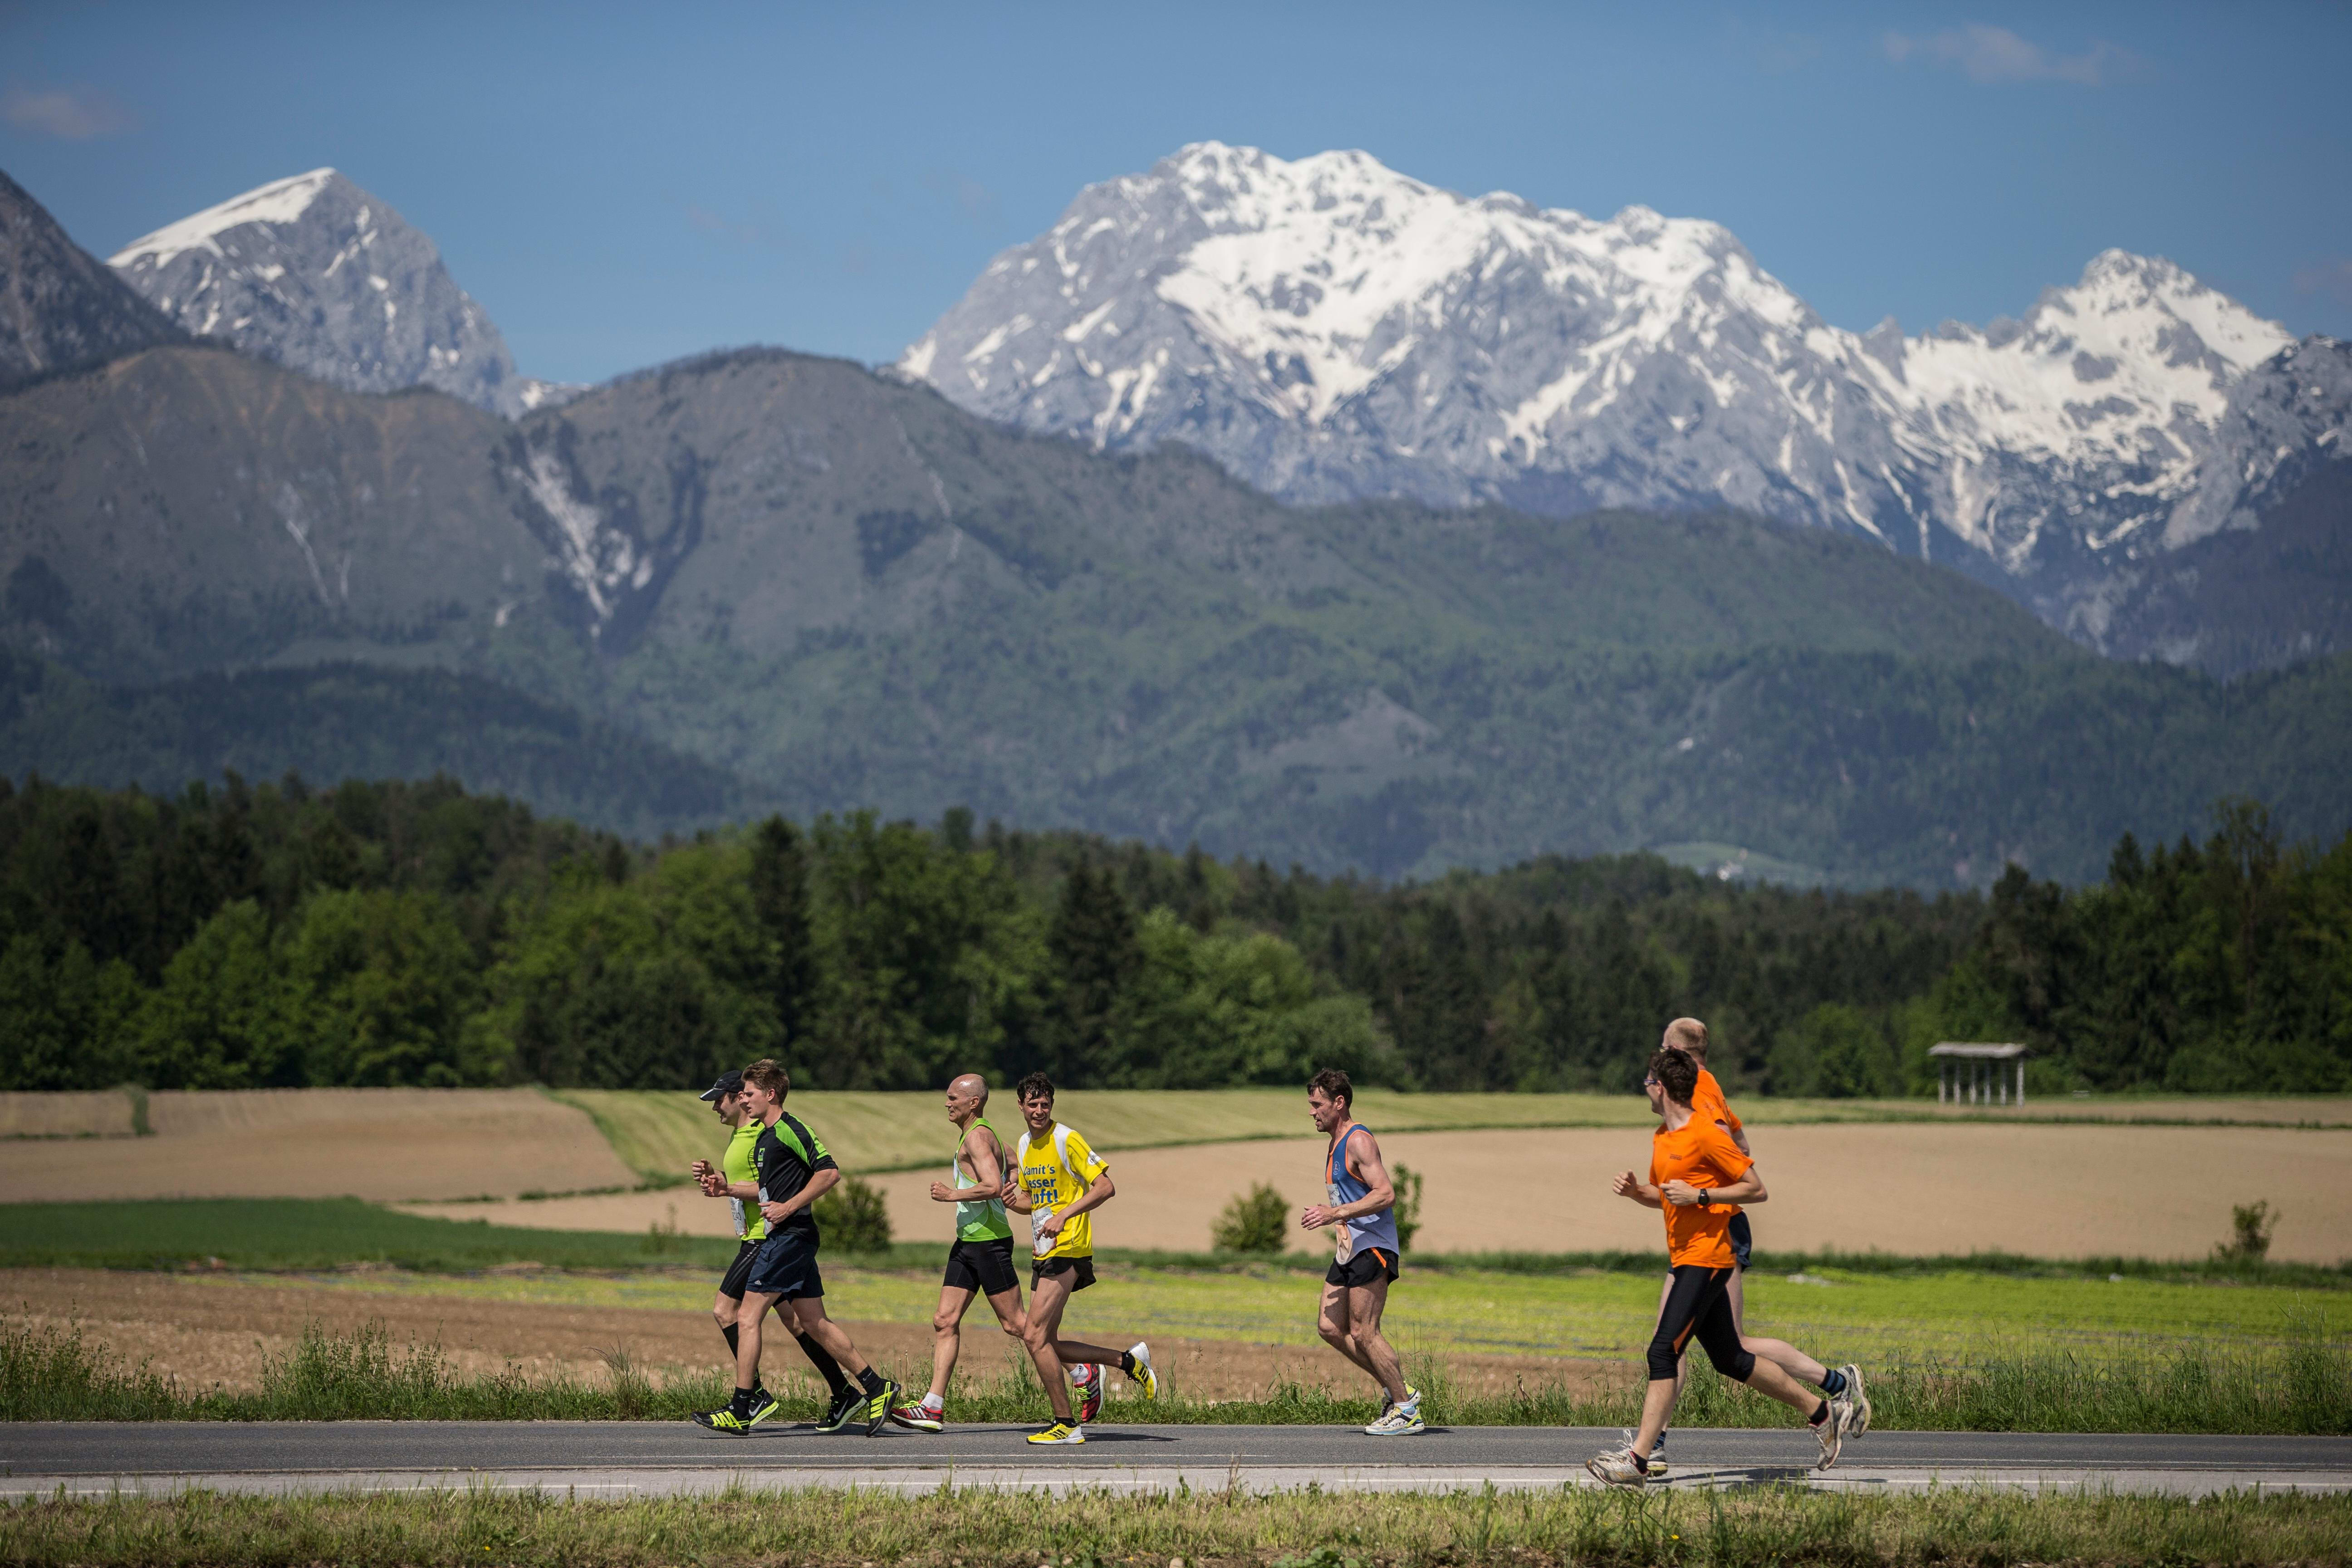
853, 1217
1406, 1181
1259, 1222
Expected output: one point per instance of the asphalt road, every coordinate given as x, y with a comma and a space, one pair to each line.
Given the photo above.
611, 1458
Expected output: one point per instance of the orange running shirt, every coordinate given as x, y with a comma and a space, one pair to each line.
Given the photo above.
1699, 1152
1707, 1104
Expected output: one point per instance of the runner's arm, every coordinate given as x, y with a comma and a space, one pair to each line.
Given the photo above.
819, 1183
1748, 1189
1625, 1186
1098, 1192
987, 1170
1364, 1163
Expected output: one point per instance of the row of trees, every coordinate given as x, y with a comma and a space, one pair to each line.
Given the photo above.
415, 934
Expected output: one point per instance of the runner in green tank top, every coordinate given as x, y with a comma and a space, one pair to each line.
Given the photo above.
981, 1259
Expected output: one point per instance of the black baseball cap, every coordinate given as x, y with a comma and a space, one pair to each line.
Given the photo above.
730, 1082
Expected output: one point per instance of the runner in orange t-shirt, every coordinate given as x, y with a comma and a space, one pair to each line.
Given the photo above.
1697, 1174
1689, 1037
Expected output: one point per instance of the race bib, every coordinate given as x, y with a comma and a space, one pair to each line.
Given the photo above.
742, 1224
1040, 1242
1346, 1247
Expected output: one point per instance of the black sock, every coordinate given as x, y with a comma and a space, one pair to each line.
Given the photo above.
1818, 1416
870, 1380
1127, 1363
731, 1333
822, 1359
1833, 1381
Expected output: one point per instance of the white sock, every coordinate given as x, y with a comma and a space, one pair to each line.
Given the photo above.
933, 1402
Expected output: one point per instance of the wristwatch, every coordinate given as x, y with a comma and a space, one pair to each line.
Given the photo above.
1704, 1195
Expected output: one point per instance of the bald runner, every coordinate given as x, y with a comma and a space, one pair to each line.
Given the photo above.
979, 1261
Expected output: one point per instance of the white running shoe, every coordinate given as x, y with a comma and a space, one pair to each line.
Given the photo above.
1618, 1468
1831, 1431
1400, 1422
1143, 1373
1856, 1397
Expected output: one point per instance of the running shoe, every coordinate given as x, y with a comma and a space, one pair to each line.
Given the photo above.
1143, 1373
724, 1422
1858, 1398
1831, 1431
1658, 1456
763, 1404
1088, 1379
846, 1406
1060, 1432
1401, 1421
877, 1406
1618, 1468
918, 1417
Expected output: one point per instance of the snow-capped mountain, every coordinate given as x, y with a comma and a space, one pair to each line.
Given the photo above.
1330, 328
317, 274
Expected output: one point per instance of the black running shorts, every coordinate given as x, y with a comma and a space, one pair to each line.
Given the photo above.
1055, 1268
786, 1267
983, 1266
1743, 1240
1372, 1263
1699, 1303
739, 1272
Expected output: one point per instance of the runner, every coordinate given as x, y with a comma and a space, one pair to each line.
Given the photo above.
980, 1258
791, 1170
1689, 1037
1696, 1172
727, 1098
1361, 1206
1061, 1180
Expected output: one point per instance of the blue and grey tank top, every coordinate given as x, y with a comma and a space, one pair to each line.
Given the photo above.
1343, 1187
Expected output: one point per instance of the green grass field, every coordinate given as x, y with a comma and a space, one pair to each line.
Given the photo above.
659, 1134
1759, 1527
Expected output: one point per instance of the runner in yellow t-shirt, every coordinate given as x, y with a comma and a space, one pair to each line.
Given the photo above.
1058, 1181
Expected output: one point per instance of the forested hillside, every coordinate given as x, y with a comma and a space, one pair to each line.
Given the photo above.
413, 933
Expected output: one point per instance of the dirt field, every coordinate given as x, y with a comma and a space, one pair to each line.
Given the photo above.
104, 1114
2044, 1190
325, 1142
212, 1332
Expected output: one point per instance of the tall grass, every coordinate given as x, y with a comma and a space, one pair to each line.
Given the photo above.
1760, 1528
2303, 1386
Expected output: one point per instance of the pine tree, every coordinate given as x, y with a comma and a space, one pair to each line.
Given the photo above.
1096, 957
780, 894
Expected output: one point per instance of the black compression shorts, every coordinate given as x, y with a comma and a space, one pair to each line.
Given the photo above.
1699, 1302
738, 1272
1743, 1240
1051, 1267
983, 1266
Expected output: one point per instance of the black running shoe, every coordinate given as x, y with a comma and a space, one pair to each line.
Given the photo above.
849, 1403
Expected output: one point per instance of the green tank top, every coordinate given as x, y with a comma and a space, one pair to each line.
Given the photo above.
982, 1219
736, 1166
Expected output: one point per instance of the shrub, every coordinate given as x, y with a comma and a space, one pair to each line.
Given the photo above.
2250, 1233
1407, 1184
854, 1218
1257, 1223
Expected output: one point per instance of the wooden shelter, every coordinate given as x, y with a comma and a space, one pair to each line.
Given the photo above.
1983, 1075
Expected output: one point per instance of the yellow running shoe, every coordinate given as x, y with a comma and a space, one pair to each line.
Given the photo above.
1060, 1432
1143, 1373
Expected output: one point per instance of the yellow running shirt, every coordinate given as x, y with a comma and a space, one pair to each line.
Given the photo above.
1056, 1172
736, 1166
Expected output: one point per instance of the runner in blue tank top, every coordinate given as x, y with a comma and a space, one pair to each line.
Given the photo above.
1360, 1206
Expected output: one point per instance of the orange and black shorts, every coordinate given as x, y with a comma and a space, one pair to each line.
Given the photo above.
1364, 1268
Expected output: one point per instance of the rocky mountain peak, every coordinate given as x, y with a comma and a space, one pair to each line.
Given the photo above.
60, 306
318, 274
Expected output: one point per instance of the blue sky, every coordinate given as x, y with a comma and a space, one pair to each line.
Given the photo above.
624, 185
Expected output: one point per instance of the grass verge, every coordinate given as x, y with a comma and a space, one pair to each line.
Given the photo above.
50, 1374
1755, 1529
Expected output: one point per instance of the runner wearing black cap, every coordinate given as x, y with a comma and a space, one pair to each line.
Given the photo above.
726, 1097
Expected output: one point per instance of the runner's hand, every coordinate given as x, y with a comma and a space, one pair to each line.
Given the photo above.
1680, 1193
942, 1194
774, 1214
1625, 1186
700, 1170
1050, 1225
1314, 1216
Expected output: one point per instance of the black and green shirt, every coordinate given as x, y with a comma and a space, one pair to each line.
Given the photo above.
786, 1156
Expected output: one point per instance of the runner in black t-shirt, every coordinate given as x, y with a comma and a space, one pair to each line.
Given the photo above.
794, 1171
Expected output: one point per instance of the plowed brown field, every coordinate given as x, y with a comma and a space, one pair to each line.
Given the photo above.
215, 1332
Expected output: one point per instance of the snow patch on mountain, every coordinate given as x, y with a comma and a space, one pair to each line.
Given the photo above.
1330, 328
318, 275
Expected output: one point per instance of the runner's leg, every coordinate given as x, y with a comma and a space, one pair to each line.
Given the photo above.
1333, 1322
947, 1336
1044, 1319
1365, 1304
809, 1311
748, 1319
